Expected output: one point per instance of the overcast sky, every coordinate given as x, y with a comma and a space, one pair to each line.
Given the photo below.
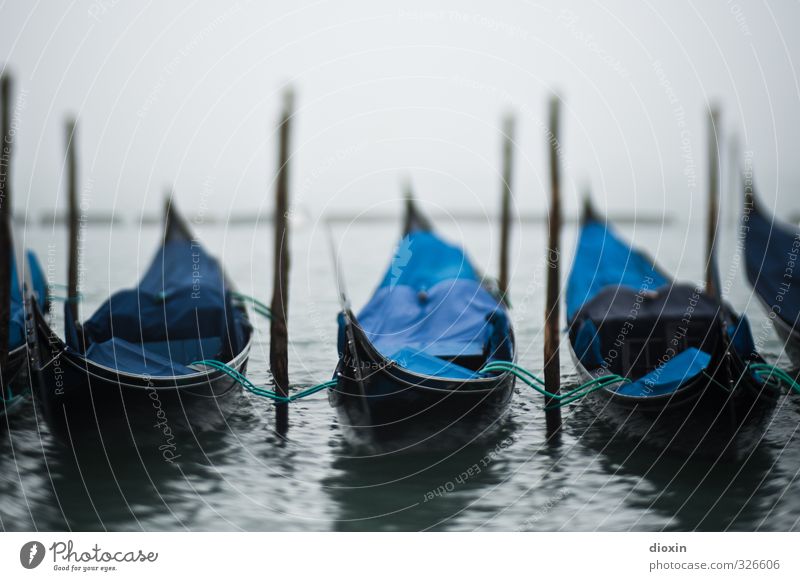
189, 96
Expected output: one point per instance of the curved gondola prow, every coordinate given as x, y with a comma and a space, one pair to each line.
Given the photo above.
765, 237
414, 219
752, 203
175, 226
588, 211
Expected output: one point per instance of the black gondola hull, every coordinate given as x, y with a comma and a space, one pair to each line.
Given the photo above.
77, 394
702, 418
381, 404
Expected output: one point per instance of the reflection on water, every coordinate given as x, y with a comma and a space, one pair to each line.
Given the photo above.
243, 476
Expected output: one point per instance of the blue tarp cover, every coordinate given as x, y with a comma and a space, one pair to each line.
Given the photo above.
601, 260
121, 354
430, 365
667, 378
180, 301
431, 304
16, 335
771, 256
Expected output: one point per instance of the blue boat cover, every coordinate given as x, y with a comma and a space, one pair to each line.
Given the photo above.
668, 377
421, 362
431, 305
603, 260
771, 255
179, 313
118, 353
613, 285
16, 337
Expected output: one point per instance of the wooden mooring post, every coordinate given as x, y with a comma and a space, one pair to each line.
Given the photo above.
504, 277
552, 364
73, 221
279, 333
712, 276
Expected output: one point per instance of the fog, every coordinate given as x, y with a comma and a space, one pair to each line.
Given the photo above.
189, 97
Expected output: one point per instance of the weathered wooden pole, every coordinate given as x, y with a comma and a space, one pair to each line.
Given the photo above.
712, 279
552, 364
279, 333
6, 242
73, 222
503, 280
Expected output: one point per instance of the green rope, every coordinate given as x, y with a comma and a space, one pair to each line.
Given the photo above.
589, 387
312, 390
538, 384
260, 391
520, 372
767, 373
774, 377
259, 307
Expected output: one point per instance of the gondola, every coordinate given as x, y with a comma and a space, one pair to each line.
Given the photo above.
132, 363
772, 264
687, 356
15, 380
408, 372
